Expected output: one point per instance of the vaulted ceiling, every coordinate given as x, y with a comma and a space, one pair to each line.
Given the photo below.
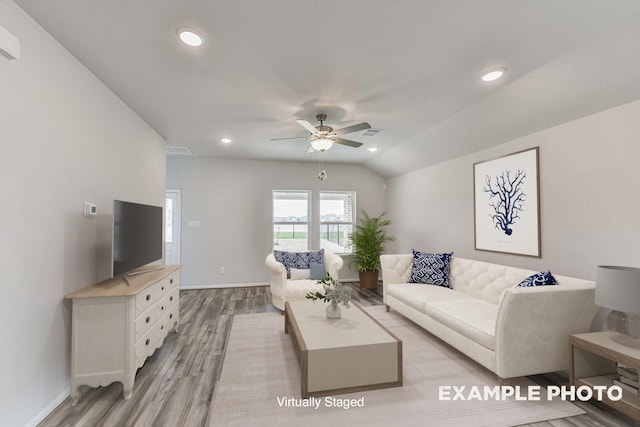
408, 67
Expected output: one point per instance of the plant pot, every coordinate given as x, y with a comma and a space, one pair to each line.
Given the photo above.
368, 279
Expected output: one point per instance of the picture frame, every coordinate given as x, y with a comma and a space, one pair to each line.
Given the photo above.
507, 204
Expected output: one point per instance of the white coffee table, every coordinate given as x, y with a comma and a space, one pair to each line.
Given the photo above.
346, 355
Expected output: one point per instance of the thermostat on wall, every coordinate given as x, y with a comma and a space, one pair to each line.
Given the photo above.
90, 209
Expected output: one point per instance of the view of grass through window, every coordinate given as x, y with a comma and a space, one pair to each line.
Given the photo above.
291, 220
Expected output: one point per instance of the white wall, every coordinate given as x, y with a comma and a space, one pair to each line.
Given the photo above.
232, 201
589, 197
65, 139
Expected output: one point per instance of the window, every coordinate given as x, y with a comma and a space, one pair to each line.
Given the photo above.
336, 220
292, 230
291, 220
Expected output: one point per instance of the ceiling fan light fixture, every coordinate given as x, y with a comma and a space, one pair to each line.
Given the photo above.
373, 149
322, 144
492, 75
190, 37
226, 140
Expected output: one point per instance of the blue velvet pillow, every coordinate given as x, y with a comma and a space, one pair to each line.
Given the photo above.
317, 270
538, 279
299, 260
430, 268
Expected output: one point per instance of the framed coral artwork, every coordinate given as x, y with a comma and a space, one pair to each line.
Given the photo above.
507, 208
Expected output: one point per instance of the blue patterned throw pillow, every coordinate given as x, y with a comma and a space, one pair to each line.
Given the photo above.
429, 268
539, 279
299, 260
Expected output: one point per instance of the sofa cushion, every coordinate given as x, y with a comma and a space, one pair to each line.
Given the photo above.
298, 260
430, 268
416, 295
474, 318
539, 279
298, 289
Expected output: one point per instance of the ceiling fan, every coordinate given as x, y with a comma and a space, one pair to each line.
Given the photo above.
323, 137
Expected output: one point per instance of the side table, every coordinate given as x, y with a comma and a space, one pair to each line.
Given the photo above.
593, 363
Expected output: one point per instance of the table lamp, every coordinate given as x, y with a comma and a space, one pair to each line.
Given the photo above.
618, 288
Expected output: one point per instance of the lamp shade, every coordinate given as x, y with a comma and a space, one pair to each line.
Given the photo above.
322, 144
618, 288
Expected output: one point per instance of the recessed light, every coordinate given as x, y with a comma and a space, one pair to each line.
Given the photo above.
492, 75
373, 149
190, 37
225, 140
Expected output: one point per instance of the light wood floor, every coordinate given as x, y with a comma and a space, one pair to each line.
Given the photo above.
176, 384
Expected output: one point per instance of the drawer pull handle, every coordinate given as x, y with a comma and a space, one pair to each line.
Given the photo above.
161, 327
148, 319
171, 281
147, 341
162, 288
170, 298
148, 297
162, 308
171, 316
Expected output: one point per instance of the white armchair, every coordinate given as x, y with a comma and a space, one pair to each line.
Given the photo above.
283, 289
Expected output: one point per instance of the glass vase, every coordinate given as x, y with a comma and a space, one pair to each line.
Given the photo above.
333, 311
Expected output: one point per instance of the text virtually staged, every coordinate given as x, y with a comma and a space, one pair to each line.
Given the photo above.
316, 402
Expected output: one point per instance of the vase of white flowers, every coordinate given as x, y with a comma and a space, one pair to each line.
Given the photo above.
335, 294
333, 311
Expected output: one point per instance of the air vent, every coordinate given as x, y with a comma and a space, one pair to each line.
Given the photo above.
179, 151
371, 132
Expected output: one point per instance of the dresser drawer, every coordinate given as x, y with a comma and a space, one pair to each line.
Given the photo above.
170, 299
173, 280
148, 297
149, 318
156, 292
172, 316
146, 346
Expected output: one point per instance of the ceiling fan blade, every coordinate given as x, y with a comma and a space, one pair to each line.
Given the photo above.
353, 128
294, 137
347, 142
308, 126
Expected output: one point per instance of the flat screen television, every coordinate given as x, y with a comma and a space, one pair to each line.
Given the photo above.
137, 236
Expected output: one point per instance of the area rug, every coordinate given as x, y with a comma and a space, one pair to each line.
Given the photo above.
260, 383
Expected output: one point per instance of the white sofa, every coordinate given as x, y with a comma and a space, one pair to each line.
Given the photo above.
283, 289
512, 331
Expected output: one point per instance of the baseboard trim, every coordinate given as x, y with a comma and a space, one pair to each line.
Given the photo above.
222, 286
49, 408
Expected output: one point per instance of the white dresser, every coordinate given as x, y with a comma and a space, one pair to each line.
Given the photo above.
115, 327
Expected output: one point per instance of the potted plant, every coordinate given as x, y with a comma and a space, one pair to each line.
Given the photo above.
334, 293
368, 240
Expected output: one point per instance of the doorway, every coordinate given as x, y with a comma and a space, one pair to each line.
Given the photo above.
172, 227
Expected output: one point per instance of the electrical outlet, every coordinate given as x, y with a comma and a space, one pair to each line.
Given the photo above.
221, 271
